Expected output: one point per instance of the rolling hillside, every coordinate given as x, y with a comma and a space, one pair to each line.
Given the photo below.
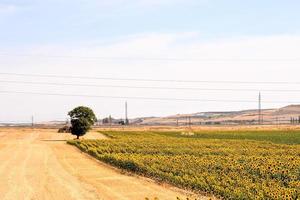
270, 116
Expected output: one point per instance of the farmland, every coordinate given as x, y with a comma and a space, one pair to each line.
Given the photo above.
230, 164
38, 164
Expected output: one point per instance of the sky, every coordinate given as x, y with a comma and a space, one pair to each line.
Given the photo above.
191, 40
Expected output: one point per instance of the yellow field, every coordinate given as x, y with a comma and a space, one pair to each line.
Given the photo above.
231, 163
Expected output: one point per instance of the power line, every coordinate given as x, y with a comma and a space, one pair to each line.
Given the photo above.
145, 98
146, 87
120, 97
132, 58
126, 114
259, 109
148, 80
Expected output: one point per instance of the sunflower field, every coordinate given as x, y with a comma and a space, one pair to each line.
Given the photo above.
228, 165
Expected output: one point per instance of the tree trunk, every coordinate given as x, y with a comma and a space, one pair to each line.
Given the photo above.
77, 137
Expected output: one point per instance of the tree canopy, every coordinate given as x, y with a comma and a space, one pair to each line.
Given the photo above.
82, 119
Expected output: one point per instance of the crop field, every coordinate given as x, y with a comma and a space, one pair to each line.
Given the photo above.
237, 164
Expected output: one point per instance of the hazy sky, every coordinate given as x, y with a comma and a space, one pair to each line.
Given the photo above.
204, 40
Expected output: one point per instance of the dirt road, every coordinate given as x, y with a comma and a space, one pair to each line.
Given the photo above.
38, 164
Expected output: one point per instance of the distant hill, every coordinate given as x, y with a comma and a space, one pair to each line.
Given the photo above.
270, 116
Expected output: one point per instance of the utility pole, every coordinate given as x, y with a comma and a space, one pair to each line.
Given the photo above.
110, 120
32, 121
186, 121
126, 114
259, 109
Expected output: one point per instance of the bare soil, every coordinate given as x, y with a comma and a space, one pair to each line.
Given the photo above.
38, 164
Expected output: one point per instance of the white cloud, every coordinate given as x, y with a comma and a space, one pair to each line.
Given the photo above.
137, 4
158, 2
260, 52
233, 57
265, 58
8, 9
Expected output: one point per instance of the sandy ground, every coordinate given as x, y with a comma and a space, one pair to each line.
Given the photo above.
37, 164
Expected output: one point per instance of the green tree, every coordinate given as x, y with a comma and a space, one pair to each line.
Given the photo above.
82, 119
